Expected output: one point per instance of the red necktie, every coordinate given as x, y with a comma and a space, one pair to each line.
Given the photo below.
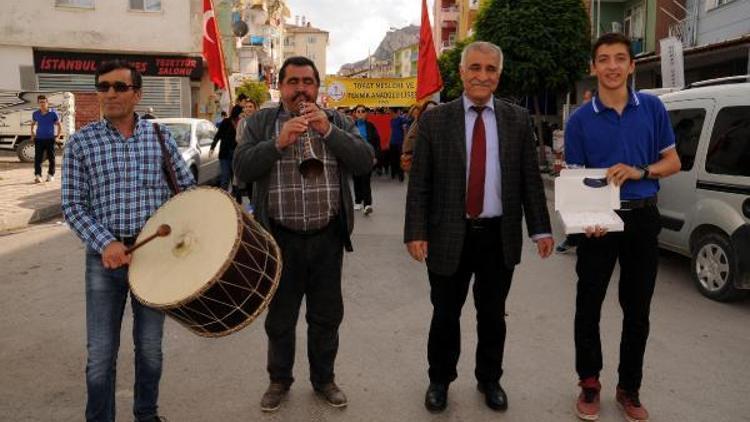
475, 191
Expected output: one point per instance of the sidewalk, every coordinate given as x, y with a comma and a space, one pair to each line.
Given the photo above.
22, 201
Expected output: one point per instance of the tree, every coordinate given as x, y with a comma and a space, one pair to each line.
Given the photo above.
254, 90
545, 45
448, 63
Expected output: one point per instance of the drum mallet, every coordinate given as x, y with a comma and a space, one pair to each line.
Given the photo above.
162, 231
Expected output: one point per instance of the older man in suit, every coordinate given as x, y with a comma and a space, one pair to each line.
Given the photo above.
474, 176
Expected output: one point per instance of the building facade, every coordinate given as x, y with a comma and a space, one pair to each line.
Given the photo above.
56, 45
306, 40
405, 61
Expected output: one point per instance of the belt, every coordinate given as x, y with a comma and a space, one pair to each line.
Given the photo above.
304, 233
632, 204
483, 223
126, 240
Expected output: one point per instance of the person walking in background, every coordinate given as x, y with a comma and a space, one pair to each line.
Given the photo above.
227, 134
113, 180
411, 136
362, 184
43, 124
630, 134
399, 123
464, 208
240, 188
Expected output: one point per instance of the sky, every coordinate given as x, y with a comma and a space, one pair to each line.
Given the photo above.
355, 26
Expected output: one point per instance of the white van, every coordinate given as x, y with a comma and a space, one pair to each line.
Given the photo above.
705, 207
16, 108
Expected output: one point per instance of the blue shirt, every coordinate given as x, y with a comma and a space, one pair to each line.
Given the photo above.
362, 126
397, 130
492, 206
598, 137
45, 124
112, 185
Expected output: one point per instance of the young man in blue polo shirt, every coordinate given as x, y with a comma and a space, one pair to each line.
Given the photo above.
630, 134
43, 136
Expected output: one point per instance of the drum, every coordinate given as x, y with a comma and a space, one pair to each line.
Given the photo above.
215, 272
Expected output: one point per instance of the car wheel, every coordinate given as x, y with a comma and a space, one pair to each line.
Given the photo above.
25, 151
714, 267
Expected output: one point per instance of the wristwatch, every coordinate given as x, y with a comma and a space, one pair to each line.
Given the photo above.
644, 171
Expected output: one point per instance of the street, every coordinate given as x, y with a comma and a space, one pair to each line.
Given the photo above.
697, 360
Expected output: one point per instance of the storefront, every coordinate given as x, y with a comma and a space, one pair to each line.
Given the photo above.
169, 81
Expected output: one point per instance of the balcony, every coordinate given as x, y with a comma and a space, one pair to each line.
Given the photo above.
684, 31
449, 14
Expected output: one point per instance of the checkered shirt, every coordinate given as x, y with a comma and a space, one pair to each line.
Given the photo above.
298, 203
112, 185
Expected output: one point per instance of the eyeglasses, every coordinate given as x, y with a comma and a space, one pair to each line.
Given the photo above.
118, 86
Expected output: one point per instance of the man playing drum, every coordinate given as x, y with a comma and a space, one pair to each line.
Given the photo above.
111, 184
310, 217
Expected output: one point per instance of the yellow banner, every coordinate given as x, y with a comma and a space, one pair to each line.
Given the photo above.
370, 92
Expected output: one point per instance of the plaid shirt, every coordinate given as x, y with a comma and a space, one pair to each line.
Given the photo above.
112, 185
298, 203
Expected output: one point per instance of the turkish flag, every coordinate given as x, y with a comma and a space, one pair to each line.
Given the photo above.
429, 80
212, 46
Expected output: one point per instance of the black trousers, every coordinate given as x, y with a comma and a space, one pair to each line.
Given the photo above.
482, 257
394, 160
362, 190
638, 254
312, 269
41, 147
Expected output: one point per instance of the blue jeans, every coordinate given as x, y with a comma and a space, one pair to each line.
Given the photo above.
106, 294
226, 173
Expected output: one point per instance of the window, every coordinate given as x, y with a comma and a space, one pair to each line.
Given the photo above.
146, 5
729, 150
206, 132
713, 4
634, 22
687, 125
75, 3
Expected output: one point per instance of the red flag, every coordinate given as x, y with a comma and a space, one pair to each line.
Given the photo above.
429, 80
212, 46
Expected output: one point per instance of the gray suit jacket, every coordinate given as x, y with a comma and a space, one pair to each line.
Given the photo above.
256, 155
435, 202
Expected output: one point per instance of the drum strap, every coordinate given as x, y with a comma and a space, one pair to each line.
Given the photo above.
167, 162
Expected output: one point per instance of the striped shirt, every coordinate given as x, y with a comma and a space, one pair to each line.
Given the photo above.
112, 185
303, 204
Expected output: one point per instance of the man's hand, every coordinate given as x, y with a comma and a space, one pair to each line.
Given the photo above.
619, 173
596, 231
544, 246
210, 153
417, 249
291, 130
316, 118
114, 256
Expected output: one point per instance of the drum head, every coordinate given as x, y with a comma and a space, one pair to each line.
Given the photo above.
206, 231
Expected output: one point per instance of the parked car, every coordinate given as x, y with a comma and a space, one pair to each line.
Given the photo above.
16, 108
193, 138
705, 207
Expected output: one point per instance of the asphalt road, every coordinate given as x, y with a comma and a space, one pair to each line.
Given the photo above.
697, 361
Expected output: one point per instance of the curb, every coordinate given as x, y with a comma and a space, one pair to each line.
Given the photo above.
24, 218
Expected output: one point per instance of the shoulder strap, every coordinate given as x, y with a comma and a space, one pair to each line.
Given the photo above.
166, 159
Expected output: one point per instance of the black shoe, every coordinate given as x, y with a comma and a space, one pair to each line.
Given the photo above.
494, 395
436, 398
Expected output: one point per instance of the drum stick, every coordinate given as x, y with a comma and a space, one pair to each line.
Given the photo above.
162, 231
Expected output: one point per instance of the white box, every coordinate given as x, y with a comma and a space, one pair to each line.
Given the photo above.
582, 206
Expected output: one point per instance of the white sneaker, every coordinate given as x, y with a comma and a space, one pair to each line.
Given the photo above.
37, 179
357, 207
50, 178
368, 210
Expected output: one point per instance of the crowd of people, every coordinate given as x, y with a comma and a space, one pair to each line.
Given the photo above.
473, 179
